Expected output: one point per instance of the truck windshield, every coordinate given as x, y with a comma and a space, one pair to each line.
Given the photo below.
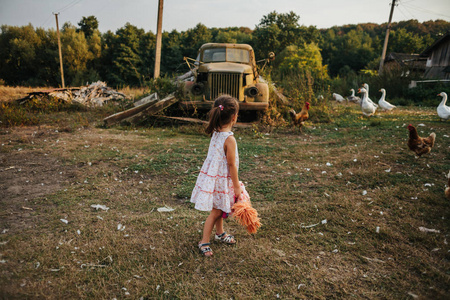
224, 54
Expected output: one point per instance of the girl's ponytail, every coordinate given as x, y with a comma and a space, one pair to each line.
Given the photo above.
214, 120
225, 107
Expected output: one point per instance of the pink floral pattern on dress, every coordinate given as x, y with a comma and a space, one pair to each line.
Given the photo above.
214, 187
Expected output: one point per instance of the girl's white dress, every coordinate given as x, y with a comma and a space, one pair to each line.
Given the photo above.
214, 187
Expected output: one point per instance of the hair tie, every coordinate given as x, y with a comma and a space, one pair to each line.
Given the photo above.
221, 107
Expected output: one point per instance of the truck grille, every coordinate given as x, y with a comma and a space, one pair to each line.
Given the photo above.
224, 83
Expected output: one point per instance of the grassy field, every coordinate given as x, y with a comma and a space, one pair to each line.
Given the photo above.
342, 207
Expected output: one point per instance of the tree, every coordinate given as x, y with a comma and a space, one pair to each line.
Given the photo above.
405, 42
277, 31
192, 39
76, 54
172, 57
353, 50
88, 25
302, 59
123, 56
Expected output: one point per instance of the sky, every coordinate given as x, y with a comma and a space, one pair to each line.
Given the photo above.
185, 14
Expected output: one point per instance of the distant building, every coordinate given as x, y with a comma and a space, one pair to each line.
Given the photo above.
406, 63
438, 59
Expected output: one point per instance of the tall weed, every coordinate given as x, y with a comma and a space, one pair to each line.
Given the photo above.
301, 87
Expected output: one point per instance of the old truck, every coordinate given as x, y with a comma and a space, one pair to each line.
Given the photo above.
224, 69
218, 69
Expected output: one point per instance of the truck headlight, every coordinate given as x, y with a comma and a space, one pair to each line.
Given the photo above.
197, 89
251, 91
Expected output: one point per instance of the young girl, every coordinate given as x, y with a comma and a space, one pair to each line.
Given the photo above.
218, 183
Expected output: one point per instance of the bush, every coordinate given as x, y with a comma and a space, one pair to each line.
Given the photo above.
13, 115
299, 87
426, 94
163, 86
396, 86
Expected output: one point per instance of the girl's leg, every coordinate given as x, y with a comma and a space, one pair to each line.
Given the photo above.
209, 224
219, 231
219, 226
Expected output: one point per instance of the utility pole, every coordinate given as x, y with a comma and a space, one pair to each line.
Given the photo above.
158, 40
59, 47
383, 55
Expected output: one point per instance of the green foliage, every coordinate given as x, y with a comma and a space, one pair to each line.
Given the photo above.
403, 41
356, 46
193, 38
353, 49
306, 58
277, 31
76, 54
29, 56
11, 115
163, 86
426, 94
88, 25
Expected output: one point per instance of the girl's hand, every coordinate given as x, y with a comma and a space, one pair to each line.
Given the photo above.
239, 193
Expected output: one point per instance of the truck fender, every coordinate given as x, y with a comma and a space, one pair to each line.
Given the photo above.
263, 95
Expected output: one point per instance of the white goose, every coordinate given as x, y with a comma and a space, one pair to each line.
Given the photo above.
338, 98
443, 110
383, 103
366, 86
353, 98
368, 108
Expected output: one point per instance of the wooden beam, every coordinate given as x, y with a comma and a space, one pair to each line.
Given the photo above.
116, 118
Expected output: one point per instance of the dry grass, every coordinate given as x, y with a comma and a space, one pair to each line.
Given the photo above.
9, 93
48, 174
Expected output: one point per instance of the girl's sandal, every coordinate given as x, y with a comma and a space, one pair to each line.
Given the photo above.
225, 238
204, 249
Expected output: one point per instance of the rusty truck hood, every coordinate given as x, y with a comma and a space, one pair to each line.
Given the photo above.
225, 67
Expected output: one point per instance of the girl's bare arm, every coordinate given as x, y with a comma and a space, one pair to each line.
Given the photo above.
230, 152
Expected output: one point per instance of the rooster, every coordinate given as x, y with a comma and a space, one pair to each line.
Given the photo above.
300, 118
418, 144
447, 190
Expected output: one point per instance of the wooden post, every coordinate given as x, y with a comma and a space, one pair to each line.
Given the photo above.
383, 55
158, 40
60, 54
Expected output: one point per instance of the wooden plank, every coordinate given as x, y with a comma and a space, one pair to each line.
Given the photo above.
190, 120
116, 118
153, 109
208, 105
198, 121
147, 99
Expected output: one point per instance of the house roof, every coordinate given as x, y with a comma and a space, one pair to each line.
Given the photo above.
406, 60
436, 43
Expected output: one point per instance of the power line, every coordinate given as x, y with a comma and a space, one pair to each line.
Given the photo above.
64, 8
400, 9
76, 2
424, 10
67, 6
46, 21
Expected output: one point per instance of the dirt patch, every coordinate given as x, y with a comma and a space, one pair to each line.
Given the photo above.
27, 174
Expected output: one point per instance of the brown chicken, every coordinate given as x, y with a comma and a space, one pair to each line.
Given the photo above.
418, 144
300, 118
447, 189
